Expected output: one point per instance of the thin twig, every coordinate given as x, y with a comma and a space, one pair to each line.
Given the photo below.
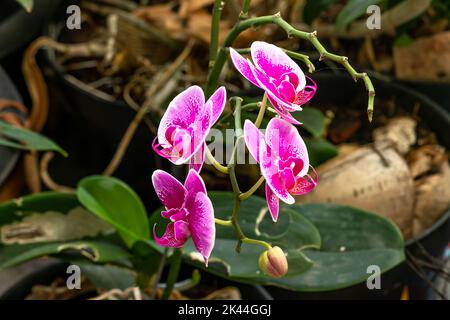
46, 178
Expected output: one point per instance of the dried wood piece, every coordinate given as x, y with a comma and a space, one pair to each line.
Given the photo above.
432, 198
401, 132
428, 59
376, 179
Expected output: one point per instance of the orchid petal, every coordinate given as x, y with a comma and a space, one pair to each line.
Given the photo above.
198, 159
287, 176
282, 112
243, 66
287, 91
202, 226
218, 99
168, 239
269, 170
252, 137
283, 138
168, 189
194, 183
272, 203
182, 111
181, 230
274, 62
304, 185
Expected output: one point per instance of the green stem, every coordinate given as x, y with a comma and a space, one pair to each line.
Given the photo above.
215, 28
262, 111
173, 273
245, 107
252, 190
225, 223
237, 116
214, 162
240, 26
245, 8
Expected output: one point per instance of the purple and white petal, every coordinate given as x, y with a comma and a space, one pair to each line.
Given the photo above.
218, 99
270, 171
168, 189
243, 66
283, 139
252, 137
272, 203
202, 226
275, 62
168, 239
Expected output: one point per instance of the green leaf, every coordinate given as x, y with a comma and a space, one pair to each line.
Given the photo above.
107, 277
352, 11
48, 217
116, 203
27, 4
313, 8
292, 233
313, 121
97, 251
320, 151
352, 240
19, 138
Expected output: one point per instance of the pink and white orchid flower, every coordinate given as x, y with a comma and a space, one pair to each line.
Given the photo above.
185, 125
189, 209
283, 160
278, 75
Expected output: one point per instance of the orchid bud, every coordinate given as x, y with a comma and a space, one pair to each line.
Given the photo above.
273, 262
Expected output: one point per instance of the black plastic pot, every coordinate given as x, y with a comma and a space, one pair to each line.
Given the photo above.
439, 92
90, 126
340, 89
8, 156
17, 29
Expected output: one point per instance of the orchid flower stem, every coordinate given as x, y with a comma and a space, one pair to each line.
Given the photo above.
214, 162
252, 190
225, 223
215, 28
243, 25
262, 111
245, 107
237, 116
245, 8
158, 274
173, 273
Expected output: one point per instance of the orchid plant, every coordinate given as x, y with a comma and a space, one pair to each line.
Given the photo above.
281, 152
225, 233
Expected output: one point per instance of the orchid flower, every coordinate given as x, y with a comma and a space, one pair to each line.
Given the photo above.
189, 210
278, 75
185, 125
283, 160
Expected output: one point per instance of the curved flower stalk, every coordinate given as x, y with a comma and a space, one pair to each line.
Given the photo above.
283, 160
185, 125
278, 75
189, 210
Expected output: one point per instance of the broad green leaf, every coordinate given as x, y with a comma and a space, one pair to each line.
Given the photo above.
48, 217
26, 4
352, 240
320, 150
313, 121
97, 251
107, 277
292, 233
352, 11
19, 138
116, 203
313, 8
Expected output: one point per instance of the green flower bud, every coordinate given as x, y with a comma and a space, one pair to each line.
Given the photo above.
273, 262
